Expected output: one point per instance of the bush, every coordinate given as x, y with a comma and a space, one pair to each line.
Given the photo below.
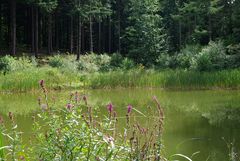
233, 52
186, 56
212, 57
6, 63
56, 61
164, 61
94, 63
9, 63
127, 64
116, 60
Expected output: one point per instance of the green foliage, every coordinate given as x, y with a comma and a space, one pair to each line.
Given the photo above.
172, 79
145, 37
1, 144
186, 56
233, 52
9, 63
165, 61
212, 57
56, 61
25, 80
127, 64
77, 132
48, 5
116, 60
94, 63
6, 63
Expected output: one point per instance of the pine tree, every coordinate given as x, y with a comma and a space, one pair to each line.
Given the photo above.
145, 36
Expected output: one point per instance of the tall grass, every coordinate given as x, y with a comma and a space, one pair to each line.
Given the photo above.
1, 145
26, 80
173, 79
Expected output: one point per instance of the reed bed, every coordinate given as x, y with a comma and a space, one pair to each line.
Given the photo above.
169, 79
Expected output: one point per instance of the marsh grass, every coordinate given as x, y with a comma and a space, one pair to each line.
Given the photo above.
169, 79
57, 79
26, 80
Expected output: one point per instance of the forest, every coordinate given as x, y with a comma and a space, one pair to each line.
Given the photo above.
150, 32
120, 80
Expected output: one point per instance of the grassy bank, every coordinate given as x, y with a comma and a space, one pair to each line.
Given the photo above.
27, 80
171, 79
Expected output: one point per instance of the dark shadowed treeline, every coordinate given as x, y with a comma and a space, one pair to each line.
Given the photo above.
141, 29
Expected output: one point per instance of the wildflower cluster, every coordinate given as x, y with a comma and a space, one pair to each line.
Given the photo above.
76, 132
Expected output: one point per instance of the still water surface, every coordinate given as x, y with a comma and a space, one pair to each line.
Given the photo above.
198, 123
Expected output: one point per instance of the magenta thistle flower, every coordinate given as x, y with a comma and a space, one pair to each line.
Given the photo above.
69, 106
41, 83
129, 109
110, 107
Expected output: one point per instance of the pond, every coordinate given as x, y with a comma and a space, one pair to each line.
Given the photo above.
201, 124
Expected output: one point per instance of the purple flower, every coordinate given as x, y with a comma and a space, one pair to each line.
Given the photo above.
41, 83
69, 106
129, 109
110, 107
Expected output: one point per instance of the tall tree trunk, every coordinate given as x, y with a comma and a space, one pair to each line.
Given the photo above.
91, 34
180, 34
13, 27
83, 40
56, 33
109, 35
32, 29
79, 37
119, 32
36, 33
99, 35
71, 34
49, 33
41, 31
210, 27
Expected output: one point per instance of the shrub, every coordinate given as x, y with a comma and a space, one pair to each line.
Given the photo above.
56, 61
186, 56
94, 63
164, 61
9, 63
212, 57
233, 52
6, 64
116, 60
127, 64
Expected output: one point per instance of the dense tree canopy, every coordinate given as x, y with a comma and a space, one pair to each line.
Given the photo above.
140, 29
